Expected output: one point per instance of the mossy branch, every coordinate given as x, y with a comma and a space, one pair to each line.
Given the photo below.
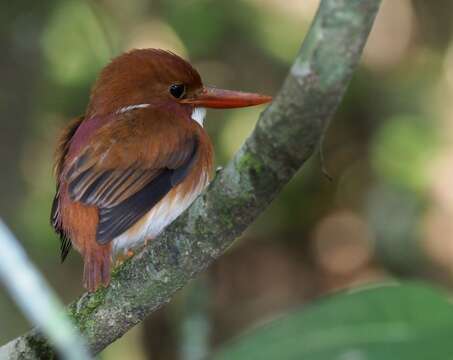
285, 136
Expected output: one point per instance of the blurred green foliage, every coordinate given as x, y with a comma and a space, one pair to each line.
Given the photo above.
76, 43
402, 149
395, 321
387, 213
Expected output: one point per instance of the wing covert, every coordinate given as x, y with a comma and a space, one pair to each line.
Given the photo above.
125, 177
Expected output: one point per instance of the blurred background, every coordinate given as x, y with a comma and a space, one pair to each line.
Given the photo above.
387, 213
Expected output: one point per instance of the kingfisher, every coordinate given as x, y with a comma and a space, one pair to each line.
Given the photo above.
136, 159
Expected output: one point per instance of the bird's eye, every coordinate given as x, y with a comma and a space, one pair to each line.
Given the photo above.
178, 90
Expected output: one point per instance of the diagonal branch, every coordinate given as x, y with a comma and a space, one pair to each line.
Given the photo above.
285, 136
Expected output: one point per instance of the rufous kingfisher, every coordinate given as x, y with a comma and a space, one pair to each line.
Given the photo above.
137, 158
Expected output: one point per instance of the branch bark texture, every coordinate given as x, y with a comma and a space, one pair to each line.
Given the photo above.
285, 136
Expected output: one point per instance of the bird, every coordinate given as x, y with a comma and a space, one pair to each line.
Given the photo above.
136, 159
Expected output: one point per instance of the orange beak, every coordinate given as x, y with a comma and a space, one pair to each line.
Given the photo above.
224, 99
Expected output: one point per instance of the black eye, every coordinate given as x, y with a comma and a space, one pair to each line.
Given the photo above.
178, 90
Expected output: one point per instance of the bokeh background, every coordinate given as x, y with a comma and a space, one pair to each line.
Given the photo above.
387, 213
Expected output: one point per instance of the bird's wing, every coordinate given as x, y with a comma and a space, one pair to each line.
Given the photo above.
130, 165
61, 153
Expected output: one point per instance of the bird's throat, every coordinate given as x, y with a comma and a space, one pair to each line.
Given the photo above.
198, 115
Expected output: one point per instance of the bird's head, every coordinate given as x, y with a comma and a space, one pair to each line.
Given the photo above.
156, 77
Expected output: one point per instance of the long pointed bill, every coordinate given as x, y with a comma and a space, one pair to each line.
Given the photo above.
224, 99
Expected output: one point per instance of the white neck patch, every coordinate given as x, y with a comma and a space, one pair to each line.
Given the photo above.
198, 115
131, 107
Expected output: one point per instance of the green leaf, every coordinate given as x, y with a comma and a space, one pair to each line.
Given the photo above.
400, 322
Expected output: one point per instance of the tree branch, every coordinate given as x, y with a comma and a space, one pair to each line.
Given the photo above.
285, 136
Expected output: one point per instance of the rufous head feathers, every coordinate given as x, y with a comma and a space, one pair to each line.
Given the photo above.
142, 76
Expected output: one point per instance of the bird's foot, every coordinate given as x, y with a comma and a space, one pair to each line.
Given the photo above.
145, 243
121, 258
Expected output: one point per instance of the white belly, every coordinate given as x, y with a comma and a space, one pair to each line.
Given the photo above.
161, 215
